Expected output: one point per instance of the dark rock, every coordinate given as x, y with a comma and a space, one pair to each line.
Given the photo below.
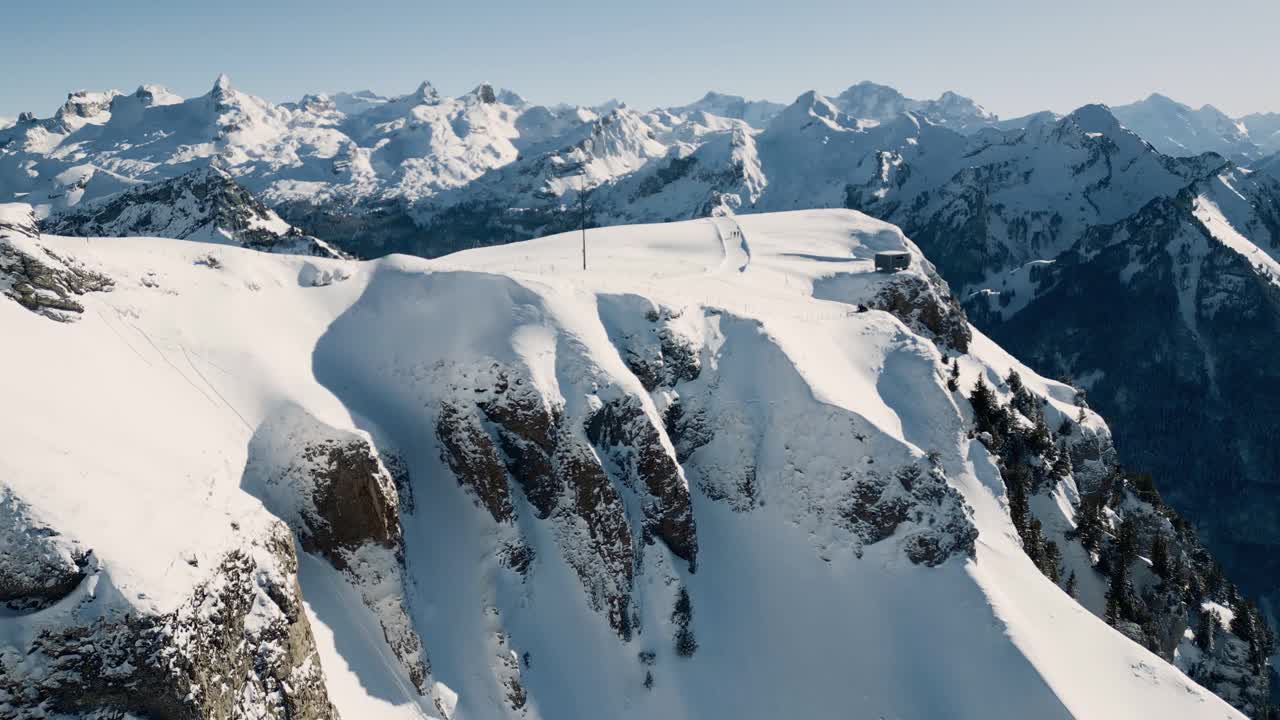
474, 460
38, 566
622, 430
205, 660
44, 285
352, 507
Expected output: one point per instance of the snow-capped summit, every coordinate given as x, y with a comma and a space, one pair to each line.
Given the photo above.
871, 101
809, 108
354, 103
483, 93
1177, 129
426, 93
221, 85
756, 113
154, 95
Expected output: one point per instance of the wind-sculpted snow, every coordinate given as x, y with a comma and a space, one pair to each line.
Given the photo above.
681, 482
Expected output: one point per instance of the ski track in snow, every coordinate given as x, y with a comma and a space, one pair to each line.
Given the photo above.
737, 252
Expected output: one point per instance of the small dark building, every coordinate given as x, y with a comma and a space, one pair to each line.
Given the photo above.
892, 261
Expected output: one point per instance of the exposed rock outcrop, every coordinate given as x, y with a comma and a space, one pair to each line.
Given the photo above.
38, 566
623, 431
332, 489
34, 276
879, 505
926, 306
240, 646
510, 437
205, 204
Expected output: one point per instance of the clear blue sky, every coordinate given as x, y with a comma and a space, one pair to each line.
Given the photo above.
1012, 56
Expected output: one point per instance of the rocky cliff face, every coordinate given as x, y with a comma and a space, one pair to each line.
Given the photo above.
238, 646
205, 205
342, 504
38, 566
37, 278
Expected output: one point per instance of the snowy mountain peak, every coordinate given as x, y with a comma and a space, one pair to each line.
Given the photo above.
221, 85
1177, 129
755, 113
425, 94
807, 107
1160, 99
82, 108
953, 104
1095, 118
156, 95
872, 101
512, 98
484, 93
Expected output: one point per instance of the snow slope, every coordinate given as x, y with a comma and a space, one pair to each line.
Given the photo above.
139, 421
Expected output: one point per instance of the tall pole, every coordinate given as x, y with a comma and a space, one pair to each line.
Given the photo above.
582, 203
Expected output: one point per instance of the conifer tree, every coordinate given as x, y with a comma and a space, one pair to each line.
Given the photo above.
682, 616
1062, 464
1127, 542
1052, 566
1160, 557
1089, 522
1014, 381
1208, 630
1117, 593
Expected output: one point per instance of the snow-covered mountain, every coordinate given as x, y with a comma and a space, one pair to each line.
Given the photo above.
204, 205
1180, 130
1188, 277
871, 101
319, 150
727, 455
1003, 199
1177, 129
1187, 289
993, 203
756, 113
